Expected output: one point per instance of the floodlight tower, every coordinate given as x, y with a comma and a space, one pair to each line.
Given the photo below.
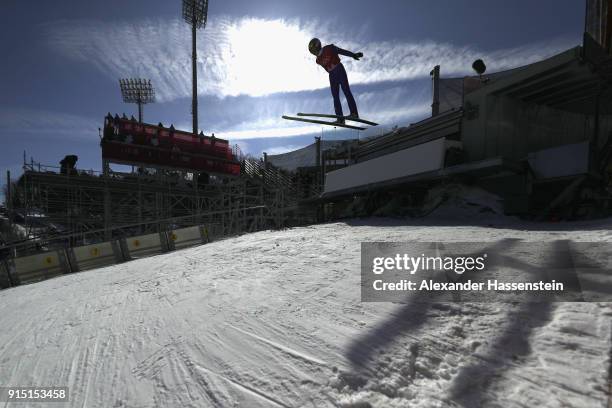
137, 90
195, 12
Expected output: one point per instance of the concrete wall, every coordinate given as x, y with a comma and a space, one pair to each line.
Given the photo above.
514, 116
511, 128
413, 160
567, 160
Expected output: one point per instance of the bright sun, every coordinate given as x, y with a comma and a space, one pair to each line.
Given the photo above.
269, 56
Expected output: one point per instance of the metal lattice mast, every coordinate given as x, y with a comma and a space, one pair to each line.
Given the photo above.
137, 90
195, 12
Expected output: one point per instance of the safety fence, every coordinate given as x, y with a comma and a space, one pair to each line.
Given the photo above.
271, 175
34, 260
38, 267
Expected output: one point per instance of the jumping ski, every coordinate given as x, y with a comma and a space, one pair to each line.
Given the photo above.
349, 118
323, 122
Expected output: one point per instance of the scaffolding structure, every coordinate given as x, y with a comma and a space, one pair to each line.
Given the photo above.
80, 207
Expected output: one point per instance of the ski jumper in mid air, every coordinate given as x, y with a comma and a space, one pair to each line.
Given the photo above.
328, 58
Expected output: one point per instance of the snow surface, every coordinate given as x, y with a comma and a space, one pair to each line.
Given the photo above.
274, 319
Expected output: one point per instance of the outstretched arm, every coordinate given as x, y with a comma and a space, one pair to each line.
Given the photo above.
348, 53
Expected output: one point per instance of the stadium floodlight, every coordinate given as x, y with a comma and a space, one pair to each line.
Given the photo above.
479, 66
137, 90
195, 12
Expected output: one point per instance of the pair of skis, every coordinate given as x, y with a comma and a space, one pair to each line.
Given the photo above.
324, 122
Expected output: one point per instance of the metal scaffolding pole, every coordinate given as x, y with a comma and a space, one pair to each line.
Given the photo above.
194, 70
9, 201
195, 12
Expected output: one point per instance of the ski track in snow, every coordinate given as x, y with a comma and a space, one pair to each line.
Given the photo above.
274, 319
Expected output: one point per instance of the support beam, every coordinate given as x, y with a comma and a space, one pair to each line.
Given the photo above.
9, 201
435, 77
194, 70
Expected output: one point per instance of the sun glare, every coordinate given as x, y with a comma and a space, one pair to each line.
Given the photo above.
269, 56
270, 132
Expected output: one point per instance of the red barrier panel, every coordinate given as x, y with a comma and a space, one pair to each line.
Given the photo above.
124, 152
129, 141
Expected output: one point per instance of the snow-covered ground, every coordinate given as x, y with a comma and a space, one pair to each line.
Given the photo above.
274, 319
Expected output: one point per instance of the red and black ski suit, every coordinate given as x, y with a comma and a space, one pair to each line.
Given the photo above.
329, 59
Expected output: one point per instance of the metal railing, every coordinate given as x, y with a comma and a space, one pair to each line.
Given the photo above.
40, 244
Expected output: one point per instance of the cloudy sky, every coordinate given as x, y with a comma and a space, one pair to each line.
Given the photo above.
62, 60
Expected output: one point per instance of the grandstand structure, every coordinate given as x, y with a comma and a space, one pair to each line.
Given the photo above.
174, 179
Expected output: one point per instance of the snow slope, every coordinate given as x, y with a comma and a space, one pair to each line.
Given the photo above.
274, 319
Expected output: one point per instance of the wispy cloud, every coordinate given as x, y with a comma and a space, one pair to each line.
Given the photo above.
282, 149
393, 61
47, 123
396, 105
259, 57
235, 56
256, 131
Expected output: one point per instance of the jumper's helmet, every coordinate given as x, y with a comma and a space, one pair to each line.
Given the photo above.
314, 46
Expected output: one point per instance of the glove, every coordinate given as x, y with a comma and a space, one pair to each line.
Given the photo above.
358, 55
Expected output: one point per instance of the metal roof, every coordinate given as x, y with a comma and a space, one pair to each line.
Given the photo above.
566, 81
